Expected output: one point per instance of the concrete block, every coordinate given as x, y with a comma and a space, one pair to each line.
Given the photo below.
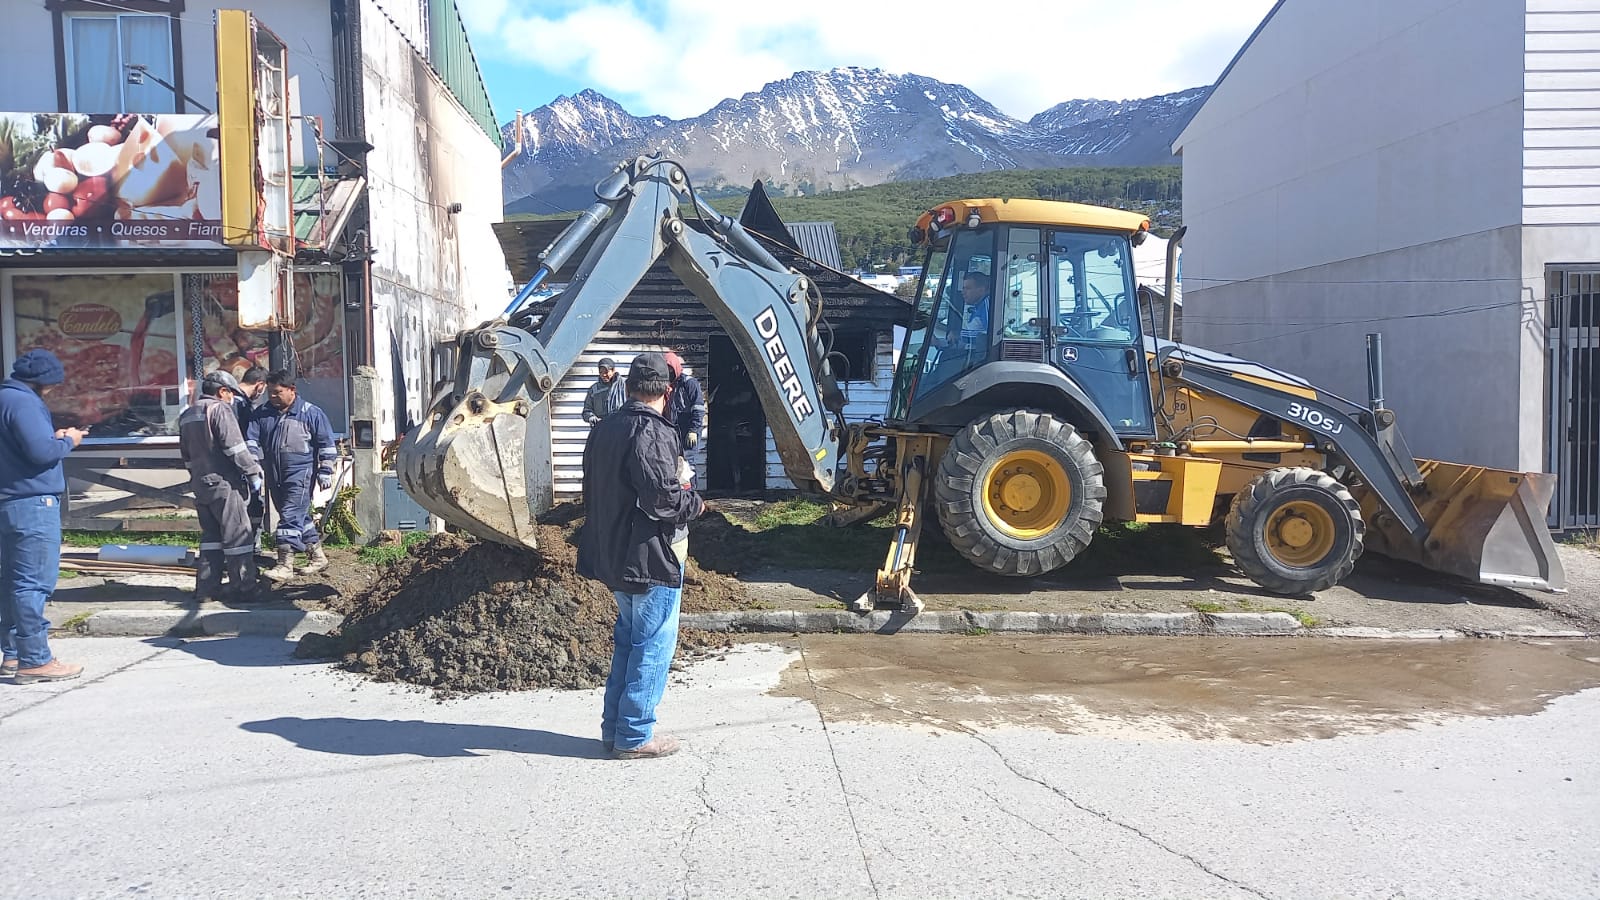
287, 623
1152, 623
1249, 623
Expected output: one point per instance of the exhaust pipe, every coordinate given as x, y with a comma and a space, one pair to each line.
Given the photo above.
1173, 243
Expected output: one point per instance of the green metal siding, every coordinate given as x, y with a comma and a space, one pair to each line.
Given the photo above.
451, 55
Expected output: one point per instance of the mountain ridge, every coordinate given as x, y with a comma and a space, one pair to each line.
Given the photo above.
819, 131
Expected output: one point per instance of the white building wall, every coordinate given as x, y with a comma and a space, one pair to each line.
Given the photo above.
1358, 170
434, 272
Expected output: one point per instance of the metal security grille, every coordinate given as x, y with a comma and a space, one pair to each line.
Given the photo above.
1573, 370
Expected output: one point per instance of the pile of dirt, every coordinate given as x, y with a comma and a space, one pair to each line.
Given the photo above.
460, 615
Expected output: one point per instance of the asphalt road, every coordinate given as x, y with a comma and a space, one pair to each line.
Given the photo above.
855, 766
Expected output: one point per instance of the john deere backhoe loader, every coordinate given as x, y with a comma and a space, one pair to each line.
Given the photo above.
1029, 406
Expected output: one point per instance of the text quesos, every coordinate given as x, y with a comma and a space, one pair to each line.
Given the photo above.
782, 367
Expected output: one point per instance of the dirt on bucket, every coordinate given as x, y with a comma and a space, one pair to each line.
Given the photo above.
459, 615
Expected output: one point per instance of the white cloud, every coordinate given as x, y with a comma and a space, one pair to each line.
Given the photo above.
679, 57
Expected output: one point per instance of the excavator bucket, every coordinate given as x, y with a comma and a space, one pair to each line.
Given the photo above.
1487, 525
466, 465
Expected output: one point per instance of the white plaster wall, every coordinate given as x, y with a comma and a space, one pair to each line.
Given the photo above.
434, 272
28, 67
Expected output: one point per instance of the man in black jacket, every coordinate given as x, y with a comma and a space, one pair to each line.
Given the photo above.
637, 504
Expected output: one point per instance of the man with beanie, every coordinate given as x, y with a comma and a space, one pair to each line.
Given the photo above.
292, 438
221, 471
606, 396
636, 504
32, 481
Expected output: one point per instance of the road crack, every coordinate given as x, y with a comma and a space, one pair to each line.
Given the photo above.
1112, 820
80, 685
702, 791
973, 733
844, 792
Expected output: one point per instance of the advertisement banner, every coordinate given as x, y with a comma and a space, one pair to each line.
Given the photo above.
109, 181
117, 336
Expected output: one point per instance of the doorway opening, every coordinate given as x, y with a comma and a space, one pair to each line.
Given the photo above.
736, 446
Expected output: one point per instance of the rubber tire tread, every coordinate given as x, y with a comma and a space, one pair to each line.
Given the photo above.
1252, 506
958, 486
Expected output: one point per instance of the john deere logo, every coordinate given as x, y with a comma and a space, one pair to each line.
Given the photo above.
89, 321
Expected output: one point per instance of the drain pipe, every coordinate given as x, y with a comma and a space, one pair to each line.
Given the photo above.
1173, 243
516, 150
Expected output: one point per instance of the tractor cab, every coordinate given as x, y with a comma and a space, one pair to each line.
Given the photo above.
1024, 293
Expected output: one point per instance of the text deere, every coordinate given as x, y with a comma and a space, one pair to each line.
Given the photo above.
778, 355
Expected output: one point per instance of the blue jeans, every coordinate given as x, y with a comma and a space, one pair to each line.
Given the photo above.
643, 642
30, 562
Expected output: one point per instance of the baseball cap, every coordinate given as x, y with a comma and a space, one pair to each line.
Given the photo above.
608, 363
647, 366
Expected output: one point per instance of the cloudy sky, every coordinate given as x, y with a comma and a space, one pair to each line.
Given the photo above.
679, 58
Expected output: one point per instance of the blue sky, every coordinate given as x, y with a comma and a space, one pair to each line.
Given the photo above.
680, 57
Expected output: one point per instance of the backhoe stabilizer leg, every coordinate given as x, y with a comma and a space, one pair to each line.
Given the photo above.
893, 586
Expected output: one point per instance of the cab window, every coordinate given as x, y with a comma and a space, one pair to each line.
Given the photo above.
1023, 314
1093, 284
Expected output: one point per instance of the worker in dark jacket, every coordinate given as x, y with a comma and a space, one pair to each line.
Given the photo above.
294, 442
605, 396
686, 408
223, 474
636, 504
32, 481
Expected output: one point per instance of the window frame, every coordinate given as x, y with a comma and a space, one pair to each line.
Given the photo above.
61, 10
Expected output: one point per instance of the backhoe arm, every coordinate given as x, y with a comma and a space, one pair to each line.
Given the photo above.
481, 458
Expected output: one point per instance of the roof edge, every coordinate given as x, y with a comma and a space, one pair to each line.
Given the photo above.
1177, 144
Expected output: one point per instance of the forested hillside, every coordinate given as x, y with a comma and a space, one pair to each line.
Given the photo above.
872, 222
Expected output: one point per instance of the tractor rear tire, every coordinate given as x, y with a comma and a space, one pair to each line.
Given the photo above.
1019, 492
1295, 531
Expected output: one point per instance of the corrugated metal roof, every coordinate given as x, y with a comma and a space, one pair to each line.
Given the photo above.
817, 240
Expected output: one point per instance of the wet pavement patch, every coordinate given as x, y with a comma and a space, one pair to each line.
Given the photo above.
1238, 690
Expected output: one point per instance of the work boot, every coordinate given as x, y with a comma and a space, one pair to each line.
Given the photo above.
316, 560
54, 670
658, 746
284, 570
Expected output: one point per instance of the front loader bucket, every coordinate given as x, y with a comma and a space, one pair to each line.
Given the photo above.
466, 465
1487, 525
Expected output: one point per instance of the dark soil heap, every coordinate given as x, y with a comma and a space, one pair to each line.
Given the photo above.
460, 615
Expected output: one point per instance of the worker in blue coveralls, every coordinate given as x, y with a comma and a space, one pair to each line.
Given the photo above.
686, 408
294, 442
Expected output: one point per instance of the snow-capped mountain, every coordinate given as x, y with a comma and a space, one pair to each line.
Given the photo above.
566, 132
842, 128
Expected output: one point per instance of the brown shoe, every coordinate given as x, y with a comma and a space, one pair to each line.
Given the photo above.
658, 746
54, 670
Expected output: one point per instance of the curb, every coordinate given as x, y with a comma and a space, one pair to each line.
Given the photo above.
284, 623
963, 622
294, 623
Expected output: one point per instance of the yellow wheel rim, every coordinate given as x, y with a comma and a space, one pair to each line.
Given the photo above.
1027, 494
1300, 533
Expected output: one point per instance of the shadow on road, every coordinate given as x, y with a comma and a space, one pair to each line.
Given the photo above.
240, 652
392, 737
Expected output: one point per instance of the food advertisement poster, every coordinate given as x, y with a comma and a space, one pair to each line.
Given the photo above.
318, 341
123, 181
117, 336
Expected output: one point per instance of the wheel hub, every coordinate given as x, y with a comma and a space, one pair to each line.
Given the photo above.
1027, 494
1300, 533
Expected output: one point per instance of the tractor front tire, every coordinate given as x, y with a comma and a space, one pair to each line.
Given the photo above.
1295, 531
1019, 492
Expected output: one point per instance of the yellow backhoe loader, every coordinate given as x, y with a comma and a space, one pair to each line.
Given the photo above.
1031, 404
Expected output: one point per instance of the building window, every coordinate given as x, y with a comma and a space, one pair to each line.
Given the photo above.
117, 336
854, 354
100, 48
